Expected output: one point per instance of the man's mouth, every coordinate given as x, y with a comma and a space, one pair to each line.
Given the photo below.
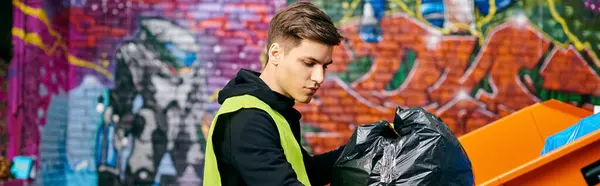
312, 90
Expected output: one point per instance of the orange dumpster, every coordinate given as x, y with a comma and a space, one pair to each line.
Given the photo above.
507, 151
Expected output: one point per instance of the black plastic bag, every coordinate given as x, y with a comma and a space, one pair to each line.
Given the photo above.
419, 150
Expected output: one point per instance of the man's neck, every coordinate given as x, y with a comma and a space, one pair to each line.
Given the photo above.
268, 76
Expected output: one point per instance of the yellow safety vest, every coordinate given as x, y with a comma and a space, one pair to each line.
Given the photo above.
291, 149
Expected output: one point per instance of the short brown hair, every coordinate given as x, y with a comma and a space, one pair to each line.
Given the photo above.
301, 20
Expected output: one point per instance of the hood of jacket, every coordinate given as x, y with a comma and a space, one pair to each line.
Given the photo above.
249, 82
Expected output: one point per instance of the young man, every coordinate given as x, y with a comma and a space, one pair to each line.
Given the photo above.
255, 136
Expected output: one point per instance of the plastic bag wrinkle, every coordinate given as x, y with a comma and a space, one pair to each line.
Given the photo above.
417, 149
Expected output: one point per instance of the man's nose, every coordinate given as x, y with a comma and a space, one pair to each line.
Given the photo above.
318, 74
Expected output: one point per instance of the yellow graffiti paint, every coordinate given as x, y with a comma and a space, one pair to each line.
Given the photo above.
35, 39
486, 19
348, 14
579, 45
418, 11
31, 38
404, 7
490, 15
471, 30
37, 13
82, 63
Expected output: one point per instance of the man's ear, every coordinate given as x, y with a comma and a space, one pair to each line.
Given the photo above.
275, 53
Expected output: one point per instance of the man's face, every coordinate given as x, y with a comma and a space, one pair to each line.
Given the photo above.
302, 69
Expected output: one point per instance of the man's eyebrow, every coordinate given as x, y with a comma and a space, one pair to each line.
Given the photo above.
317, 61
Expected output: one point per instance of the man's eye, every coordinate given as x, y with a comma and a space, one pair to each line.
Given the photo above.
309, 64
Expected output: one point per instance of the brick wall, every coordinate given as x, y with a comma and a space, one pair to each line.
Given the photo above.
122, 92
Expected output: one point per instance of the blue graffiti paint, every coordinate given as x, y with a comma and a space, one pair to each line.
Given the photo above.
82, 132
125, 155
165, 168
484, 5
53, 155
99, 142
187, 58
370, 28
105, 149
138, 102
433, 12
111, 154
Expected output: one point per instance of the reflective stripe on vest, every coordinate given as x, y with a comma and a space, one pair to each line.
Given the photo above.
290, 146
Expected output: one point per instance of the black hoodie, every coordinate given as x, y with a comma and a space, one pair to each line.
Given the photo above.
247, 144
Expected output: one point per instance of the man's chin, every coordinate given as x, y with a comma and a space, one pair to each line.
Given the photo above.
304, 100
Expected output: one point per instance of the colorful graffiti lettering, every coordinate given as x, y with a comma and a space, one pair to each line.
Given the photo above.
467, 80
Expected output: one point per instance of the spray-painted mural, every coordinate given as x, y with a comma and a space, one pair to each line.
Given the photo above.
137, 101
150, 124
469, 62
121, 92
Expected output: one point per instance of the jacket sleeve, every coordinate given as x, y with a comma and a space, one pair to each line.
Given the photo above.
320, 167
255, 149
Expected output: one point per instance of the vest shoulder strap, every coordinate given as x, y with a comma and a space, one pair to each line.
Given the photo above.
288, 142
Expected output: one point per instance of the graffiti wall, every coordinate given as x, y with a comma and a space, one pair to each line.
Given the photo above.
121, 92
469, 62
